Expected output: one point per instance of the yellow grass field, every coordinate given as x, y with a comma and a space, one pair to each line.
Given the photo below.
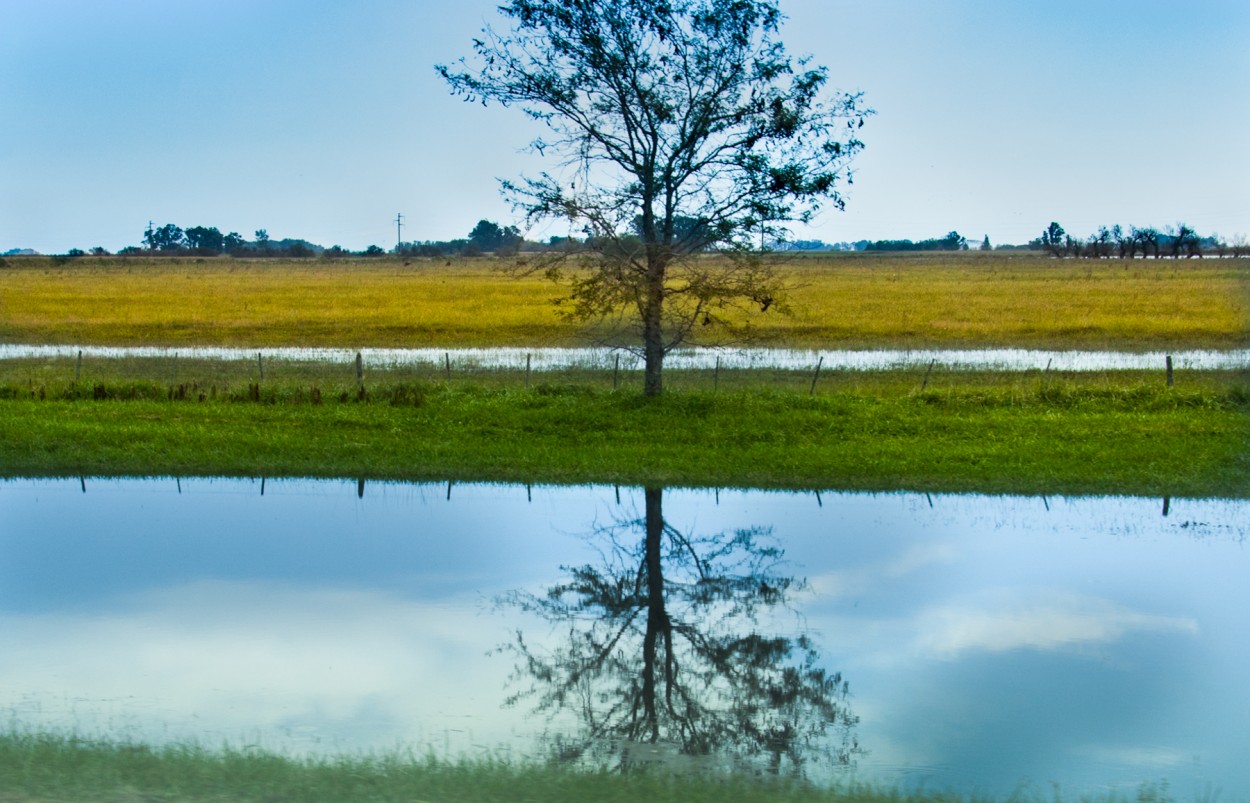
956, 300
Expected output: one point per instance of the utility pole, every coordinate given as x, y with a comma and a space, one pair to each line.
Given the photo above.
399, 230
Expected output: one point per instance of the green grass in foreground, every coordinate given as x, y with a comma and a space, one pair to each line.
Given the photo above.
1116, 433
41, 768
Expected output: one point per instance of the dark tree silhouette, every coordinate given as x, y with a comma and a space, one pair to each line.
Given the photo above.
167, 238
666, 111
490, 236
1054, 239
1147, 239
205, 239
1125, 244
664, 647
1184, 240
1099, 244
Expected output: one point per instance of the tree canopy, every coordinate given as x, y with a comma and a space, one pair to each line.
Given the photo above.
681, 126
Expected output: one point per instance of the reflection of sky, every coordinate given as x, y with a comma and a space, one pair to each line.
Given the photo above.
124, 536
988, 641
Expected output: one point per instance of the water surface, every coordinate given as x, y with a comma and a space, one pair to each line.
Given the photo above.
553, 359
987, 643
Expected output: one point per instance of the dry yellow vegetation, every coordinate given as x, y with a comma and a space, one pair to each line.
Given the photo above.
914, 301
975, 300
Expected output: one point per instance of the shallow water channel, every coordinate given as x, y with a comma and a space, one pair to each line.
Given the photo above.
556, 359
986, 644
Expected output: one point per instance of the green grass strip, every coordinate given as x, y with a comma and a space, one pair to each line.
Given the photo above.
42, 768
1051, 437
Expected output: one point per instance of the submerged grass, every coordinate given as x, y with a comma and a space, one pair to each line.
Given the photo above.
911, 301
42, 768
1123, 432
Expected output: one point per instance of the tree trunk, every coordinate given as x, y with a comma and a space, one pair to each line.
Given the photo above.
657, 617
653, 332
653, 355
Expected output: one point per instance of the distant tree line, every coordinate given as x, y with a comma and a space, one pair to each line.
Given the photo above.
486, 237
170, 239
489, 237
1127, 243
953, 241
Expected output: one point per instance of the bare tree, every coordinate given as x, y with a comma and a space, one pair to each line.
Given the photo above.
1148, 240
1184, 240
665, 645
1099, 245
1125, 243
666, 111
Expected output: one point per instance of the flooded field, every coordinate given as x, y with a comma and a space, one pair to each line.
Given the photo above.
966, 642
554, 359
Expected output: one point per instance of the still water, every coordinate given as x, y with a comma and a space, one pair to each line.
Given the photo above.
975, 643
556, 359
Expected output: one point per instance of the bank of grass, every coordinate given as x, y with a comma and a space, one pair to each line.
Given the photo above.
43, 768
839, 301
1036, 432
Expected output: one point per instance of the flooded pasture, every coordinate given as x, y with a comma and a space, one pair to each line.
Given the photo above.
557, 359
977, 643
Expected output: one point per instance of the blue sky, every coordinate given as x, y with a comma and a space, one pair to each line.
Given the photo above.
324, 120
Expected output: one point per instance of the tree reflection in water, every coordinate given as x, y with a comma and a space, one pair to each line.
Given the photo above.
663, 649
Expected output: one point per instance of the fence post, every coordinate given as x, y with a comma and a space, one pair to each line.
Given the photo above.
360, 370
78, 366
447, 363
616, 373
816, 376
260, 366
716, 375
1169, 367
925, 383
527, 371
